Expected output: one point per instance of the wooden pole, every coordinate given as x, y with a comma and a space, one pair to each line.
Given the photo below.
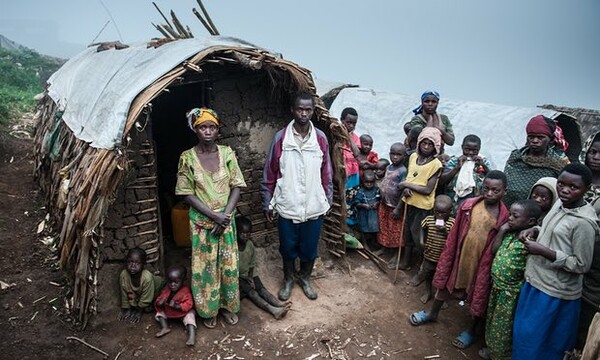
212, 25
178, 26
163, 15
402, 224
210, 31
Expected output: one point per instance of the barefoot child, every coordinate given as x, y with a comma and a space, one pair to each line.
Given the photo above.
250, 284
138, 287
382, 165
463, 269
508, 270
366, 150
366, 203
434, 230
464, 174
544, 194
389, 235
560, 252
176, 302
418, 190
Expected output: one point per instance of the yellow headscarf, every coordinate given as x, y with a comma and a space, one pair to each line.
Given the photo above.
199, 115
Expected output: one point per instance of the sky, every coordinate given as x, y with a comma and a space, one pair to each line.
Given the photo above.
511, 52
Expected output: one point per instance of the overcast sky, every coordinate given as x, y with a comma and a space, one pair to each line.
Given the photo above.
511, 52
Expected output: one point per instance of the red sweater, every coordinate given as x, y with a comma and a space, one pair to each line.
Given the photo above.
183, 297
447, 267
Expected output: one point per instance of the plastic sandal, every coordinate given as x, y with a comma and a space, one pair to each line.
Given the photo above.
463, 340
419, 318
210, 323
230, 318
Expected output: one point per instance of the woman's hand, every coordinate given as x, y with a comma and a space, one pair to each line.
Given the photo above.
221, 218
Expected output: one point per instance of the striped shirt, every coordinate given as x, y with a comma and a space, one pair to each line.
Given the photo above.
435, 239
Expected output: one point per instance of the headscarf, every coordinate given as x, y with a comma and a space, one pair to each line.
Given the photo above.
550, 184
545, 126
419, 109
199, 115
587, 145
432, 134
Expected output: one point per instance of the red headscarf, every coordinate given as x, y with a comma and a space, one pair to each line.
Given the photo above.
542, 125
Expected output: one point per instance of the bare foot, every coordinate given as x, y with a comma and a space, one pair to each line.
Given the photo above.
425, 298
163, 332
417, 280
124, 314
135, 316
279, 313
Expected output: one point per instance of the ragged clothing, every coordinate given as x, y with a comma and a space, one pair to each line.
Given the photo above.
183, 297
140, 296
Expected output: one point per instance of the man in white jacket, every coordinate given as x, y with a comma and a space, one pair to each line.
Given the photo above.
297, 186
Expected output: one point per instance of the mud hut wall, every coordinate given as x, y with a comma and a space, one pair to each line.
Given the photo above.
250, 121
133, 219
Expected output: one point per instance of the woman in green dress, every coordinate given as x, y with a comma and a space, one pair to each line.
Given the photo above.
210, 179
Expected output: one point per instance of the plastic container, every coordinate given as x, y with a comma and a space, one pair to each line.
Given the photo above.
181, 225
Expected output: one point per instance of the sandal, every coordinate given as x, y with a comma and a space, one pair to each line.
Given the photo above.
210, 323
419, 318
463, 340
229, 317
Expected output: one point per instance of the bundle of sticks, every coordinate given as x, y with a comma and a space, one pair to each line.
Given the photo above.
176, 30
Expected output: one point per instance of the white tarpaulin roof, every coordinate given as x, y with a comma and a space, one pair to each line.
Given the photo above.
382, 115
95, 89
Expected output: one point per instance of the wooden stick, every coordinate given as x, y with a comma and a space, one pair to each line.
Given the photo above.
88, 345
210, 31
212, 25
400, 247
163, 15
178, 25
139, 223
164, 33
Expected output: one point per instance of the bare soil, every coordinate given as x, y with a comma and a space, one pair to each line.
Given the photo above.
359, 312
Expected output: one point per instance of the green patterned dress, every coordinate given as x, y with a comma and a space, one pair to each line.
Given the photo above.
215, 283
508, 275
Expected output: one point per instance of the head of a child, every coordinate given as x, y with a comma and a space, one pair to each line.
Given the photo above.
406, 127
592, 156
471, 145
366, 144
444, 158
442, 207
524, 214
572, 184
368, 179
413, 136
494, 187
175, 276
544, 193
429, 142
382, 165
349, 118
136, 259
397, 153
244, 230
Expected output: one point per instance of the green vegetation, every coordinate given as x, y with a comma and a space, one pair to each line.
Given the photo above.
22, 76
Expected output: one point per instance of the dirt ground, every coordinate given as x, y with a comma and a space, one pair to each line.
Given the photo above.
359, 312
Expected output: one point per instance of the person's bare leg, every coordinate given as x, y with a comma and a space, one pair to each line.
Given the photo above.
191, 340
428, 292
164, 327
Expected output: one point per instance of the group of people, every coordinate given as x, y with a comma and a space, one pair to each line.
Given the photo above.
520, 246
515, 244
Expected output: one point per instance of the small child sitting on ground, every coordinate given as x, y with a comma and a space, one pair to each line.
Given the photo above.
366, 149
366, 203
176, 302
434, 231
544, 193
390, 234
138, 287
382, 165
508, 270
464, 174
250, 284
463, 269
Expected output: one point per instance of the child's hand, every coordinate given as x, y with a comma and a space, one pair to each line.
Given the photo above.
478, 160
461, 160
534, 247
174, 305
124, 314
397, 213
161, 303
528, 234
504, 228
441, 228
407, 192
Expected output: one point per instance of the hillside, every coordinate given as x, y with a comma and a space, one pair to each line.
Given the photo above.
23, 74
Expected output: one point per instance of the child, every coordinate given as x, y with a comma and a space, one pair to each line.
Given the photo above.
366, 202
176, 302
390, 234
434, 231
463, 269
352, 155
547, 313
464, 174
382, 165
411, 140
418, 190
138, 287
366, 149
544, 194
250, 285
507, 272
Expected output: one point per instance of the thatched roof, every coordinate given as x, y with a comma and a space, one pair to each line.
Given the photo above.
588, 119
84, 120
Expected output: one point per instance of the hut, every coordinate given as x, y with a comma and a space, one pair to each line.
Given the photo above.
111, 126
500, 127
588, 119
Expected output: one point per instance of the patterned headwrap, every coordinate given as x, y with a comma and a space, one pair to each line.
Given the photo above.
199, 115
433, 134
545, 126
419, 109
